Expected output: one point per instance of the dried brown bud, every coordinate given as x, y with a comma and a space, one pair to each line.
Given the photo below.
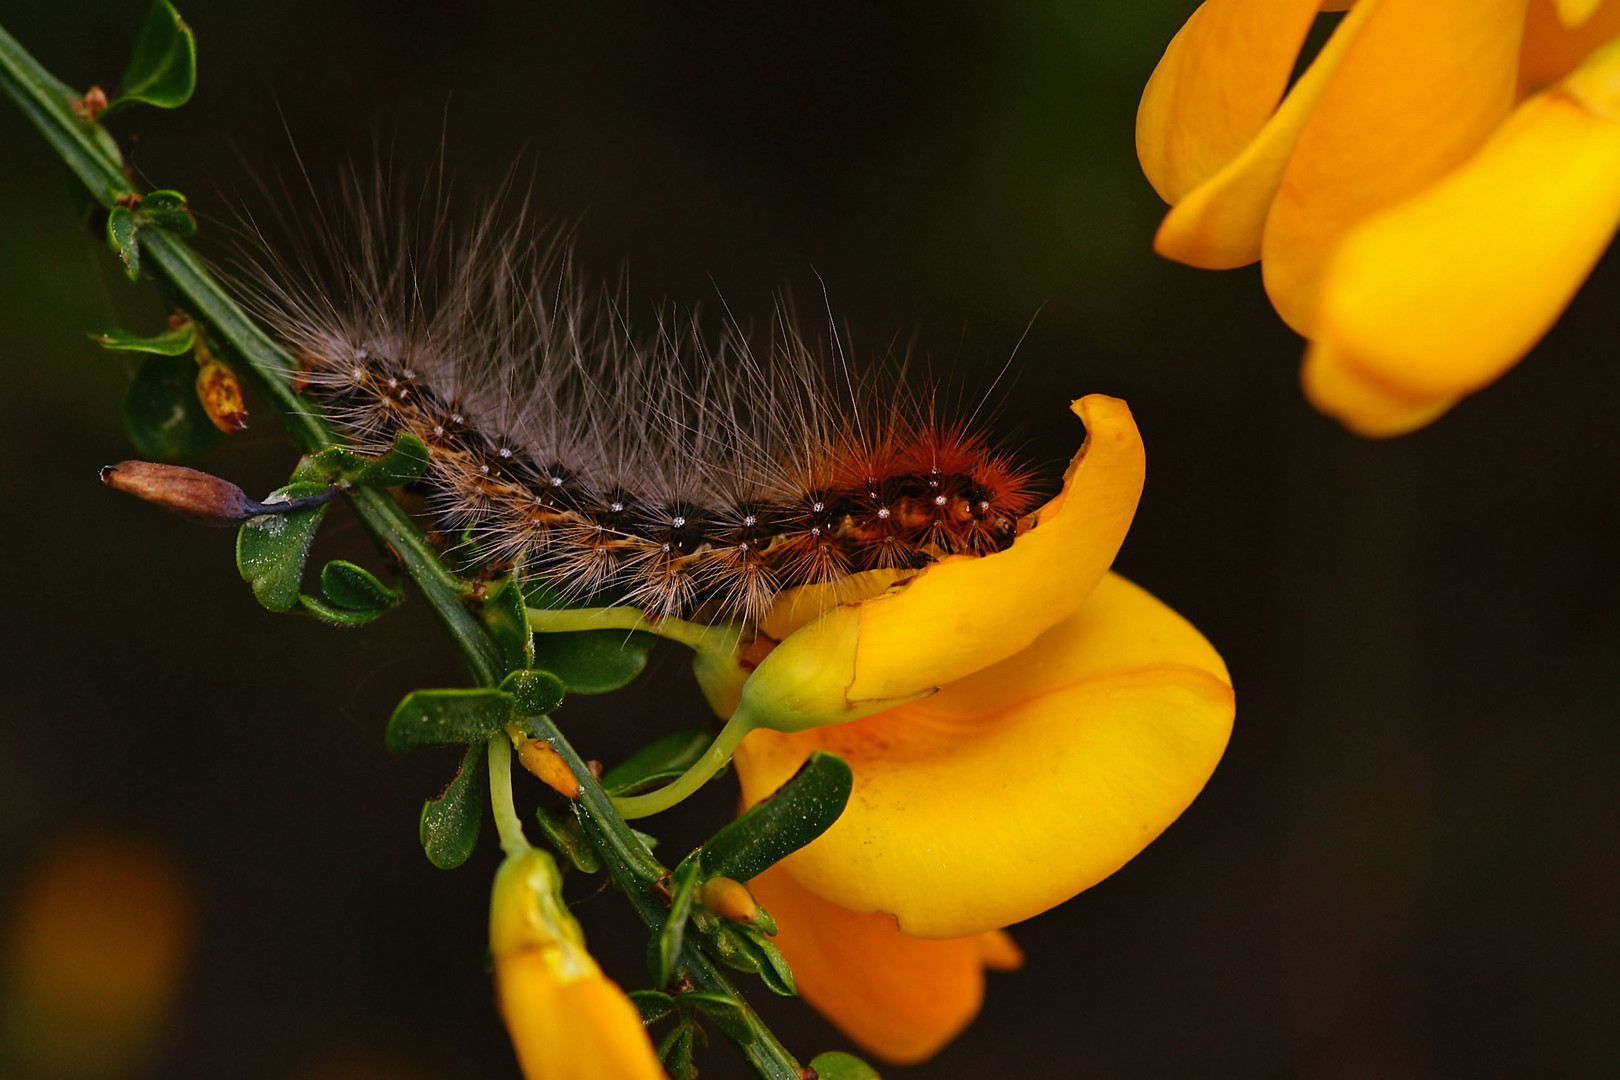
179, 490
92, 105
194, 495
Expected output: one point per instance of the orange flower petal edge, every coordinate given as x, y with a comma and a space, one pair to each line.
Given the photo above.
900, 998
1552, 48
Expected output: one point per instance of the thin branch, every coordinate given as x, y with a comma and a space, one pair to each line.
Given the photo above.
85, 148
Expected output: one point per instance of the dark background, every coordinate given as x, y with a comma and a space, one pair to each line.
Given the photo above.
1406, 864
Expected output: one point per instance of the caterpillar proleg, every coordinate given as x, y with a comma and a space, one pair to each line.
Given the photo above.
687, 474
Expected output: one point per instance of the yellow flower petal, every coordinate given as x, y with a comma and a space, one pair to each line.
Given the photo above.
1008, 792
1552, 49
1368, 407
567, 1020
1218, 225
571, 1031
1576, 12
901, 998
961, 614
1439, 295
1214, 88
965, 614
1423, 84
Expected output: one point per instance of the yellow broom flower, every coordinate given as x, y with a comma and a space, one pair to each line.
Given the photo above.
1424, 201
567, 1020
1056, 717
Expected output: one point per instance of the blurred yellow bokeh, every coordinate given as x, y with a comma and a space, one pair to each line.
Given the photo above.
98, 932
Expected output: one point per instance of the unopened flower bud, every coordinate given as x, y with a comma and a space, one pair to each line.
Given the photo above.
567, 1020
730, 899
542, 759
196, 496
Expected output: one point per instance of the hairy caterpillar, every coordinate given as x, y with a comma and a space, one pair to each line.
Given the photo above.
688, 477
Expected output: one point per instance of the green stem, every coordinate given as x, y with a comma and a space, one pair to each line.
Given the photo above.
718, 639
507, 824
712, 761
637, 874
46, 102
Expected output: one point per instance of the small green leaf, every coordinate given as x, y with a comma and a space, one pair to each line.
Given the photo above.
657, 762
727, 1013
753, 952
764, 921
404, 463
664, 951
167, 210
466, 555
728, 948
676, 1050
837, 1065
569, 839
449, 826
122, 230
353, 595
540, 593
503, 615
162, 68
162, 416
356, 588
653, 1005
594, 661
331, 613
800, 810
442, 717
535, 693
271, 550
338, 464
176, 341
